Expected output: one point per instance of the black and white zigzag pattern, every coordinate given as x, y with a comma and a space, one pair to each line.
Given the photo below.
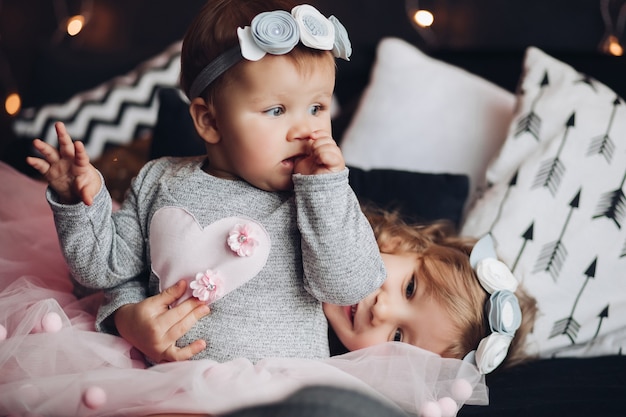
113, 113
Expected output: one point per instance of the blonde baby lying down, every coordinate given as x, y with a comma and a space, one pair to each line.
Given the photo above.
443, 293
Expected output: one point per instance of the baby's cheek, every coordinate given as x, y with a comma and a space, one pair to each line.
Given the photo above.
370, 338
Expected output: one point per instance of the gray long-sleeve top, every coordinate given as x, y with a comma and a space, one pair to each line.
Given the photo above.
322, 250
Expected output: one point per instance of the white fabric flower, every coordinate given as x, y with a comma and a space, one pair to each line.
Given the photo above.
278, 32
249, 49
342, 47
316, 31
491, 352
494, 275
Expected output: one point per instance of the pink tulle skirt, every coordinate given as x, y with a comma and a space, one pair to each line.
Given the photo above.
53, 362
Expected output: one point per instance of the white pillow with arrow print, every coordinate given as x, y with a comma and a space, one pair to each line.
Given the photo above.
556, 208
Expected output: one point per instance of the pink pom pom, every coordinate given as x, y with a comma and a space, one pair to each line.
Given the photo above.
448, 407
461, 390
51, 322
94, 397
430, 409
3, 333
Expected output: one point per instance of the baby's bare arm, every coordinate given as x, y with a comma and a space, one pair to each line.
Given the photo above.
67, 170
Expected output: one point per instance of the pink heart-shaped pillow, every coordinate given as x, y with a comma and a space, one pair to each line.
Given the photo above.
181, 249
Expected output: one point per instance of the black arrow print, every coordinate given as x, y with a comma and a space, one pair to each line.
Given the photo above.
569, 326
612, 205
531, 123
623, 254
553, 254
551, 171
603, 144
528, 235
603, 314
512, 183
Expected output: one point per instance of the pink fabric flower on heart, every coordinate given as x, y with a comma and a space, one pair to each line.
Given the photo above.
207, 286
241, 240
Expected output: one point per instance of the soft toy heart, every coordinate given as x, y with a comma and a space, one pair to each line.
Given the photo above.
214, 260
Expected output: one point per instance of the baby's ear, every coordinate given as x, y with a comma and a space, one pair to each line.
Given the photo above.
203, 116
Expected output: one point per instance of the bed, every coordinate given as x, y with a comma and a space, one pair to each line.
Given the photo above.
528, 145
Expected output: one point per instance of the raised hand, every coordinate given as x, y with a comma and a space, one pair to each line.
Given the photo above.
324, 156
67, 170
153, 328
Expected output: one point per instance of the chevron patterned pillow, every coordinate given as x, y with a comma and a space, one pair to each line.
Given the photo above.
115, 112
556, 207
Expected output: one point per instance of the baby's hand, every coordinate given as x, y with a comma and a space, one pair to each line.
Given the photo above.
153, 328
324, 156
67, 170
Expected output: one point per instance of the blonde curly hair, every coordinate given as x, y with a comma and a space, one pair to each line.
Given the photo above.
450, 279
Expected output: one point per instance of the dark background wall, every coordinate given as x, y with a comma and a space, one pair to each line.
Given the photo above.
45, 65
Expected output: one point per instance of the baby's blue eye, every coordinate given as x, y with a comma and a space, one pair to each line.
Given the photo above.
397, 336
275, 111
410, 288
315, 109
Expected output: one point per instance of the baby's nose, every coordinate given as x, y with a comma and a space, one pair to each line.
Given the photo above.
381, 310
301, 130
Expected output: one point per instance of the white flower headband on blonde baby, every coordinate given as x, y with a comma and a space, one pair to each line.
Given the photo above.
502, 307
277, 33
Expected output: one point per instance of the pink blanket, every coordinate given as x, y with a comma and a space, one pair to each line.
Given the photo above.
53, 362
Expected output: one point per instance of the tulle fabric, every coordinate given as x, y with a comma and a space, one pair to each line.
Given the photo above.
53, 362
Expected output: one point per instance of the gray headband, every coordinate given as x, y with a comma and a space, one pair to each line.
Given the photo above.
277, 33
215, 68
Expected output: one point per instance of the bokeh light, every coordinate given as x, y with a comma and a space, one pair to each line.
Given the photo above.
423, 18
75, 25
13, 104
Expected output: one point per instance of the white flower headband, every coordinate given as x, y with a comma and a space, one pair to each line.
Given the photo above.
277, 33
502, 307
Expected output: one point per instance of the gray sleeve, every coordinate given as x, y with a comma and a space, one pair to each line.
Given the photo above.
342, 262
129, 292
105, 249
102, 249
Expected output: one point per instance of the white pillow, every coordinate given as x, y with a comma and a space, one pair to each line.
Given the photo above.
422, 114
557, 209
